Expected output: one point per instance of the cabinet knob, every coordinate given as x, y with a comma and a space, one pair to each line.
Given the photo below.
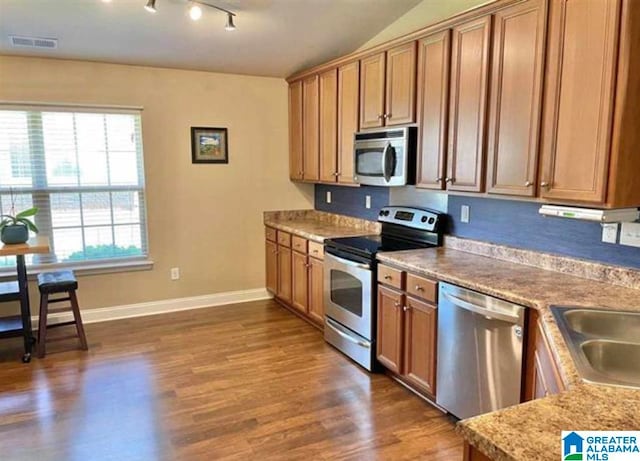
387, 116
387, 277
380, 117
449, 180
307, 265
419, 288
406, 308
396, 303
439, 179
528, 184
544, 184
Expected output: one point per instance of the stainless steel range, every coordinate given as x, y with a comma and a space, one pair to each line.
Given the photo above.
350, 275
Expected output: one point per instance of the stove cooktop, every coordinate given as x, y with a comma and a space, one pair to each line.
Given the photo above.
369, 245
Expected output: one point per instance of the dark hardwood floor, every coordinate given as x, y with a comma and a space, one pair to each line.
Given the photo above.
246, 381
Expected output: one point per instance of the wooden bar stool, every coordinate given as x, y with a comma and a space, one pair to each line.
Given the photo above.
51, 283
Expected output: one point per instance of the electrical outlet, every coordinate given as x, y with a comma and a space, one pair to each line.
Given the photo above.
610, 233
630, 234
464, 213
175, 273
367, 201
328, 196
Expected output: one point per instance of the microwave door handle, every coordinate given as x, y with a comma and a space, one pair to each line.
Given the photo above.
388, 161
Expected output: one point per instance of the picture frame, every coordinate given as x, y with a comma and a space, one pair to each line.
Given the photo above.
209, 145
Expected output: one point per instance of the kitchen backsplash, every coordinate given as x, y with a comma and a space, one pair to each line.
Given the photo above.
505, 222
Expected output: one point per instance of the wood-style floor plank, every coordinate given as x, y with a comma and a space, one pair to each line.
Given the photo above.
245, 381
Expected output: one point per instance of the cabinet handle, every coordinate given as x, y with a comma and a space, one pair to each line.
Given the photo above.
387, 116
528, 184
439, 179
406, 308
387, 277
544, 184
419, 288
449, 180
380, 117
396, 303
307, 265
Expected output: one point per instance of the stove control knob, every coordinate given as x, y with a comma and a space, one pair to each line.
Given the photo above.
381, 213
424, 219
432, 220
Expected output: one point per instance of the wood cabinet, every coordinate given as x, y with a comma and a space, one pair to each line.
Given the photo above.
400, 96
284, 291
316, 290
468, 105
348, 115
310, 129
516, 98
300, 280
471, 453
389, 343
372, 91
328, 82
271, 257
542, 377
433, 108
295, 131
579, 101
420, 338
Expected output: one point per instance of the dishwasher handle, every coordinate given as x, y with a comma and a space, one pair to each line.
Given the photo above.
487, 312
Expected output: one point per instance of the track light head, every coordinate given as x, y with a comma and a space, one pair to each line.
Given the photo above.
230, 25
195, 12
151, 6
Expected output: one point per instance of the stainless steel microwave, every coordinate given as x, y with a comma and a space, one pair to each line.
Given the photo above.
385, 157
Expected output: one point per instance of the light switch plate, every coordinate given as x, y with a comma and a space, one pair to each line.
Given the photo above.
464, 213
328, 196
630, 234
367, 201
610, 233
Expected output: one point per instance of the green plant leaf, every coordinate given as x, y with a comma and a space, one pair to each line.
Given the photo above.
26, 213
29, 224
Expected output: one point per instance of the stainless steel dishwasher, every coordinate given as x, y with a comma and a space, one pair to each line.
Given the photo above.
480, 343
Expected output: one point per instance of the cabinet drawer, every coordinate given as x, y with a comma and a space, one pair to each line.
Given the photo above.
284, 239
299, 244
421, 287
270, 233
390, 276
316, 250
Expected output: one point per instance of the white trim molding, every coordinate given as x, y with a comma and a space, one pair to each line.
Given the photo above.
106, 314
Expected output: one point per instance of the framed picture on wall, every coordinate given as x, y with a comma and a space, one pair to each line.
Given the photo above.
209, 145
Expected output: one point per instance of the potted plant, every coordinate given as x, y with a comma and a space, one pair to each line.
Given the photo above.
14, 228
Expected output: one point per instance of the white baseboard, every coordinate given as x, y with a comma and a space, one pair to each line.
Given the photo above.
105, 314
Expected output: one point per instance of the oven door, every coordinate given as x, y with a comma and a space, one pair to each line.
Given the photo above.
348, 293
379, 163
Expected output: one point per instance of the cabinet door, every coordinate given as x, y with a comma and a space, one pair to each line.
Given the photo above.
348, 104
284, 273
400, 101
300, 291
295, 130
390, 326
420, 326
468, 104
372, 73
316, 290
516, 98
542, 377
271, 257
579, 90
328, 125
310, 129
433, 100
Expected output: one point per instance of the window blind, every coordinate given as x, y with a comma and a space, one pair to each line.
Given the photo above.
83, 169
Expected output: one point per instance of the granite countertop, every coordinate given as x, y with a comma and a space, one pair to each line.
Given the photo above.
318, 226
531, 431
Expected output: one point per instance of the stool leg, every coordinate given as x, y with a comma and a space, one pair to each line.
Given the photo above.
42, 325
78, 319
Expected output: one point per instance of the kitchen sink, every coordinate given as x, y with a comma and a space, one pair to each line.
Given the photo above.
604, 344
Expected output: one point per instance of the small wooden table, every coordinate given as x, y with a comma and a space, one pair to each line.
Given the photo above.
37, 245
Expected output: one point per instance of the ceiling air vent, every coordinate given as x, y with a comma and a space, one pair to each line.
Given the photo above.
34, 42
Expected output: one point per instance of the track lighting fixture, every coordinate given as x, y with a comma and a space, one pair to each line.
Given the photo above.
150, 6
195, 11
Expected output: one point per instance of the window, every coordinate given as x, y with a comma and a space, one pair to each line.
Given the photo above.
84, 170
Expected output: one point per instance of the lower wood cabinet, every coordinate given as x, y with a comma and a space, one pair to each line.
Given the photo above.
407, 329
295, 273
542, 377
471, 453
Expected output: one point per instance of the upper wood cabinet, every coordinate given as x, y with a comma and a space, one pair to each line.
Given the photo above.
579, 101
310, 129
328, 125
400, 97
348, 114
372, 91
295, 131
516, 98
432, 108
468, 105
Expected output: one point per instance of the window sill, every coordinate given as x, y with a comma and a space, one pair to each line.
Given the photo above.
81, 269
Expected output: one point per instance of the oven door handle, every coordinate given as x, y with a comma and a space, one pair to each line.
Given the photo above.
331, 324
347, 262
